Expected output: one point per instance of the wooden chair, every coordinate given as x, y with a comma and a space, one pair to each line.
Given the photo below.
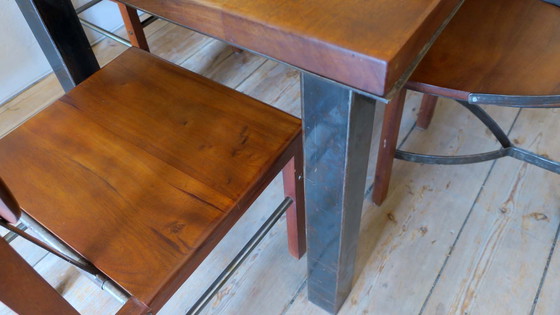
501, 52
139, 171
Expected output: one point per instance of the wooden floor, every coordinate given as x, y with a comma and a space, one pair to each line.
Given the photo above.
475, 239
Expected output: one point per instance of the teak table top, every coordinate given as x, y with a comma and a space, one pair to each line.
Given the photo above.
365, 44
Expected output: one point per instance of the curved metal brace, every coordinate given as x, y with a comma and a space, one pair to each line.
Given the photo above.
450, 160
488, 122
523, 101
508, 149
514, 152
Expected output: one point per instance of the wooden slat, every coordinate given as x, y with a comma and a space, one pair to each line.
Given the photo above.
275, 84
217, 62
497, 264
176, 44
500, 258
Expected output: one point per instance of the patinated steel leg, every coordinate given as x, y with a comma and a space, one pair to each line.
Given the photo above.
59, 33
338, 126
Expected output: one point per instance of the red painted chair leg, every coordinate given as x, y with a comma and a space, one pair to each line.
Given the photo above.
295, 215
236, 50
426, 111
387, 147
133, 26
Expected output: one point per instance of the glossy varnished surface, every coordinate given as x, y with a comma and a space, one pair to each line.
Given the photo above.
509, 47
365, 44
138, 165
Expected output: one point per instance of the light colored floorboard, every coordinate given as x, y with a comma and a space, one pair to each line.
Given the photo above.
538, 130
497, 264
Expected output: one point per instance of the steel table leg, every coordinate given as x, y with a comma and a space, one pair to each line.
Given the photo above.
338, 125
56, 27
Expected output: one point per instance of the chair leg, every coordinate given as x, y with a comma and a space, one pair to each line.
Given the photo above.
426, 111
387, 147
295, 215
236, 50
133, 26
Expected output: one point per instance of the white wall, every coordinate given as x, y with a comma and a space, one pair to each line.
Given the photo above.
22, 62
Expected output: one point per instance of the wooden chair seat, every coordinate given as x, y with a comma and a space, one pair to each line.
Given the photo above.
500, 52
144, 167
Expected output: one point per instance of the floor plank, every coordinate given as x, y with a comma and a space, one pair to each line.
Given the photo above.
537, 130
497, 264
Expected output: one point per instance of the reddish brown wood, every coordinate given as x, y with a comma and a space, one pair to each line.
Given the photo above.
9, 207
367, 45
134, 307
509, 47
23, 290
133, 26
144, 167
236, 50
295, 215
426, 112
387, 147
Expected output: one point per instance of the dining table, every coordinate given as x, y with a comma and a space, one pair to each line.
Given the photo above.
350, 53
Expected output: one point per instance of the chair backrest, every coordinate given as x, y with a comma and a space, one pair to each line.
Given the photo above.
9, 207
23, 290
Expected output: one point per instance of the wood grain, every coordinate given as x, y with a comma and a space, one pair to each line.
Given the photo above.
368, 45
496, 47
111, 132
22, 288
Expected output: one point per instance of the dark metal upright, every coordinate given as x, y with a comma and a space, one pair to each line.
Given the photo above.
338, 125
56, 27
